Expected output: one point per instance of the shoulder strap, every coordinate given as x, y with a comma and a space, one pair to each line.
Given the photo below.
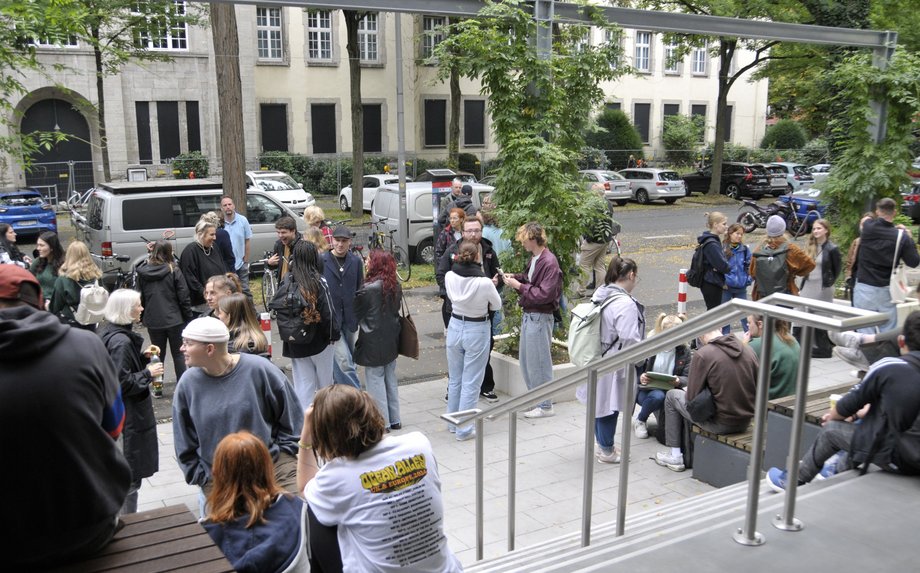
606, 301
897, 249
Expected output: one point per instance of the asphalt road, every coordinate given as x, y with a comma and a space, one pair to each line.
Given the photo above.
659, 237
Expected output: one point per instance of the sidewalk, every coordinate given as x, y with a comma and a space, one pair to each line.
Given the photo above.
549, 471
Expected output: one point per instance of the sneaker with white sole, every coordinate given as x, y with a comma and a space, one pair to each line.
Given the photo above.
847, 338
641, 429
539, 412
852, 356
673, 463
612, 458
489, 397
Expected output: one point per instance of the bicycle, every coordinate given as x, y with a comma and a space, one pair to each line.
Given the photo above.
383, 238
123, 279
269, 280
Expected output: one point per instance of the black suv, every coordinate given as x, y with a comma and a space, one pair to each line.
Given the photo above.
737, 179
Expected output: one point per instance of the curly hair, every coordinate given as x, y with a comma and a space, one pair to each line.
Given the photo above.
382, 266
345, 422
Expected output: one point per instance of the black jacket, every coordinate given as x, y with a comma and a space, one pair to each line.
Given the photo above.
378, 322
682, 358
462, 201
140, 431
715, 264
343, 286
876, 252
831, 264
198, 266
490, 264
226, 249
327, 329
279, 250
164, 295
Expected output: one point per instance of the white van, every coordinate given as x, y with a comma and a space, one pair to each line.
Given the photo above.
385, 212
121, 216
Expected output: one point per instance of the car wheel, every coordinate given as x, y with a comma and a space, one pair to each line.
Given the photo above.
343, 203
670, 201
424, 252
642, 197
622, 202
733, 191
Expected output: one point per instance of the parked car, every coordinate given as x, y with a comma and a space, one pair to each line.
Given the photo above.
819, 172
122, 216
910, 202
283, 187
371, 183
614, 186
464, 176
489, 180
797, 175
808, 205
738, 179
649, 184
27, 212
777, 176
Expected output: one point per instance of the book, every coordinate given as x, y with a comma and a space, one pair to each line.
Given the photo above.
659, 381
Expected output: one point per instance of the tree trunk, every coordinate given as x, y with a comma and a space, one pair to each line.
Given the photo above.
229, 101
357, 113
100, 106
726, 51
453, 141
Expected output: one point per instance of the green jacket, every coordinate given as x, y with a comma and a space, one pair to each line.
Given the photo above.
784, 364
46, 278
66, 298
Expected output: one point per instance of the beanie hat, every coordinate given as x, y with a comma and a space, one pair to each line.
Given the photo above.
467, 189
776, 226
16, 283
206, 329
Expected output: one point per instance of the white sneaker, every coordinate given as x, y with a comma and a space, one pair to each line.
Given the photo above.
847, 338
539, 412
641, 429
673, 463
852, 356
611, 458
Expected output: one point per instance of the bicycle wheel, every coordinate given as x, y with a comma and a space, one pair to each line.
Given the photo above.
129, 280
269, 285
403, 267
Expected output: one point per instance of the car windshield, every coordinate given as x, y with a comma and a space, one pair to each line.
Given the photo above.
20, 200
776, 170
810, 193
758, 170
669, 176
800, 170
612, 176
276, 183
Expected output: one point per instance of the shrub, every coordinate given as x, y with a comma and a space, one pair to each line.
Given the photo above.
681, 138
469, 162
191, 165
617, 136
592, 158
786, 134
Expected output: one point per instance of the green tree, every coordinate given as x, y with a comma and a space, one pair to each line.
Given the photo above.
616, 135
681, 137
120, 31
785, 134
539, 108
21, 25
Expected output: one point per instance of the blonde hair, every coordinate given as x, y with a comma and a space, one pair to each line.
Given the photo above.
242, 323
811, 247
714, 218
315, 235
533, 231
120, 306
202, 226
313, 216
78, 264
666, 321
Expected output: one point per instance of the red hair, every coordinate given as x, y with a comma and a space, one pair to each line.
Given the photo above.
381, 265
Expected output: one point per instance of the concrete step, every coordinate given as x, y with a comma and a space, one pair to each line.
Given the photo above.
645, 532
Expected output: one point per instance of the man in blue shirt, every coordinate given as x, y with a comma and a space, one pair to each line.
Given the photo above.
237, 226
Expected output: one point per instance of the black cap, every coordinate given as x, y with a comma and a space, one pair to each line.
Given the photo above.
341, 232
467, 189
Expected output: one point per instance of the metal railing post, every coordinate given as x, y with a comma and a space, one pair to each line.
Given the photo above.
512, 476
748, 535
587, 486
787, 521
479, 487
624, 452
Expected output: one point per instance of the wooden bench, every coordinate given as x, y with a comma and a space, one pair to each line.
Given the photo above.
166, 539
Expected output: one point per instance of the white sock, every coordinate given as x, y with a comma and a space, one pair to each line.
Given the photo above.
675, 452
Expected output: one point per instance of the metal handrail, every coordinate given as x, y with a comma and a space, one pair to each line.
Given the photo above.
816, 314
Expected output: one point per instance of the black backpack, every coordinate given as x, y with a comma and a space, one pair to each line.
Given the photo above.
697, 271
289, 305
772, 273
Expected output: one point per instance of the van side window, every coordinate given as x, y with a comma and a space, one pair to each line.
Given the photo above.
148, 213
186, 210
94, 213
262, 210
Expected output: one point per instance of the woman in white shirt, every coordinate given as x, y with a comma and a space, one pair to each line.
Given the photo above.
472, 295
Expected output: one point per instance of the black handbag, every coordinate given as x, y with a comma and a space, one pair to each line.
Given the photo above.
702, 408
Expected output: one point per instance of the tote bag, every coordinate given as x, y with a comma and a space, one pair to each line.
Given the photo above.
897, 285
408, 334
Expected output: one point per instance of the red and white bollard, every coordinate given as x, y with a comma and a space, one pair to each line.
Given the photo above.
265, 319
682, 292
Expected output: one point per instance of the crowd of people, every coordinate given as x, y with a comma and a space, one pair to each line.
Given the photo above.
315, 461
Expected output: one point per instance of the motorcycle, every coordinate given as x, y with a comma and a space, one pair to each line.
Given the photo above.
755, 216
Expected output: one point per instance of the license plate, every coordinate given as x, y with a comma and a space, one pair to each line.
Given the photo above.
28, 223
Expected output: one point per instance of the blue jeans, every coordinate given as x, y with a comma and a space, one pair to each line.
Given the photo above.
242, 273
467, 354
497, 318
651, 400
343, 367
727, 295
382, 386
604, 429
878, 299
534, 352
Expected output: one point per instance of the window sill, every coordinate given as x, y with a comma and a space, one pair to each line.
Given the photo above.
373, 65
322, 63
274, 63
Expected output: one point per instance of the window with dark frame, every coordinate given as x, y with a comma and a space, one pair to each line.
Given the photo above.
322, 116
168, 129
274, 126
474, 122
641, 117
435, 123
613, 105
144, 145
700, 110
668, 110
373, 128
193, 126
727, 123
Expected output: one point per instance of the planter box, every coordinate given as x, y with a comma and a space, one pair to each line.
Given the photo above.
508, 379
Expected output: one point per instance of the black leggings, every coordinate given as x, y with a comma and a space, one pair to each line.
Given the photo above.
325, 555
712, 294
172, 335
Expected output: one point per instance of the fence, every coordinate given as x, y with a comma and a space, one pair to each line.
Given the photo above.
57, 180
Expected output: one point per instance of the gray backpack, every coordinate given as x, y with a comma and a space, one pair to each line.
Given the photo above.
772, 273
